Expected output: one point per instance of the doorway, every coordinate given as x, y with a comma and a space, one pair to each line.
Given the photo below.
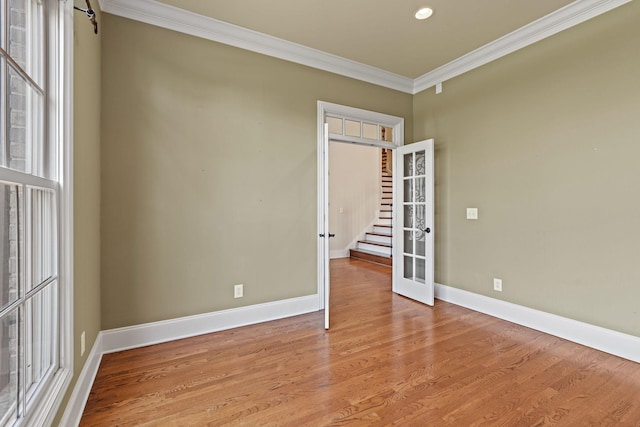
349, 125
412, 204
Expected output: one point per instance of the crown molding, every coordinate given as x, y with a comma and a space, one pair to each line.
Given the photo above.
162, 15
571, 15
172, 18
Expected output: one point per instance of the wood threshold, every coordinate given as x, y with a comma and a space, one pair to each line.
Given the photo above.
387, 360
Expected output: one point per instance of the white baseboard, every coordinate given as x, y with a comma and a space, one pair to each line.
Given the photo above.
612, 342
339, 253
78, 400
168, 330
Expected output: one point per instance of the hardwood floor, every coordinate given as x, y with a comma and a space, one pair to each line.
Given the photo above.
386, 361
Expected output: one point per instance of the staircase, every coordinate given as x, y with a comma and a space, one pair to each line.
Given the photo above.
377, 243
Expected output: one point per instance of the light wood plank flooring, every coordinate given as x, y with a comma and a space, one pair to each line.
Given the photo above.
386, 361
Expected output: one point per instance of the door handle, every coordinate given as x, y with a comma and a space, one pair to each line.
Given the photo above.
427, 230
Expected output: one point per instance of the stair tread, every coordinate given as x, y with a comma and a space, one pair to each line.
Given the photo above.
374, 234
383, 225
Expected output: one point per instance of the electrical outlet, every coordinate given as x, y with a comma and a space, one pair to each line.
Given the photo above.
82, 348
497, 285
472, 213
238, 291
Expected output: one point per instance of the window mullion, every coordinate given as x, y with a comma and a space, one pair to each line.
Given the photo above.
14, 176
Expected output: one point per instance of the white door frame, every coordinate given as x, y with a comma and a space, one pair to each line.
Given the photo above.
327, 108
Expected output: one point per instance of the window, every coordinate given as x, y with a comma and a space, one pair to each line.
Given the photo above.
357, 130
34, 287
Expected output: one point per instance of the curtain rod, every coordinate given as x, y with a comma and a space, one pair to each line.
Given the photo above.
91, 14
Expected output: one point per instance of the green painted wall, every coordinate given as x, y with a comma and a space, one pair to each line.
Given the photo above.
546, 143
86, 165
208, 160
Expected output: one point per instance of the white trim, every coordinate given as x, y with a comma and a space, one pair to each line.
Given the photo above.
66, 278
339, 253
612, 342
75, 407
184, 327
320, 204
573, 14
176, 19
64, 135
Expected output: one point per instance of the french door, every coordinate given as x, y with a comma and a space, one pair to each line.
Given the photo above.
413, 221
324, 236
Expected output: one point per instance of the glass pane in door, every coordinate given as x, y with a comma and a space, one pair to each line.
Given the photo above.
408, 242
420, 158
408, 267
408, 216
408, 164
420, 219
420, 267
408, 188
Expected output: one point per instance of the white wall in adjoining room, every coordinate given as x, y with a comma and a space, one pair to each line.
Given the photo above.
354, 192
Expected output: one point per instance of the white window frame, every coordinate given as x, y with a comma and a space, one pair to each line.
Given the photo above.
59, 127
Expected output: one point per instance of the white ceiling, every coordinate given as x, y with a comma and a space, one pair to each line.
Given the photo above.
377, 41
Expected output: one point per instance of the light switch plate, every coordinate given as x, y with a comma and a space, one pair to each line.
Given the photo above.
472, 213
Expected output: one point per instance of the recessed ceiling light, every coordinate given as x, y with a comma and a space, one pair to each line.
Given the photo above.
424, 13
